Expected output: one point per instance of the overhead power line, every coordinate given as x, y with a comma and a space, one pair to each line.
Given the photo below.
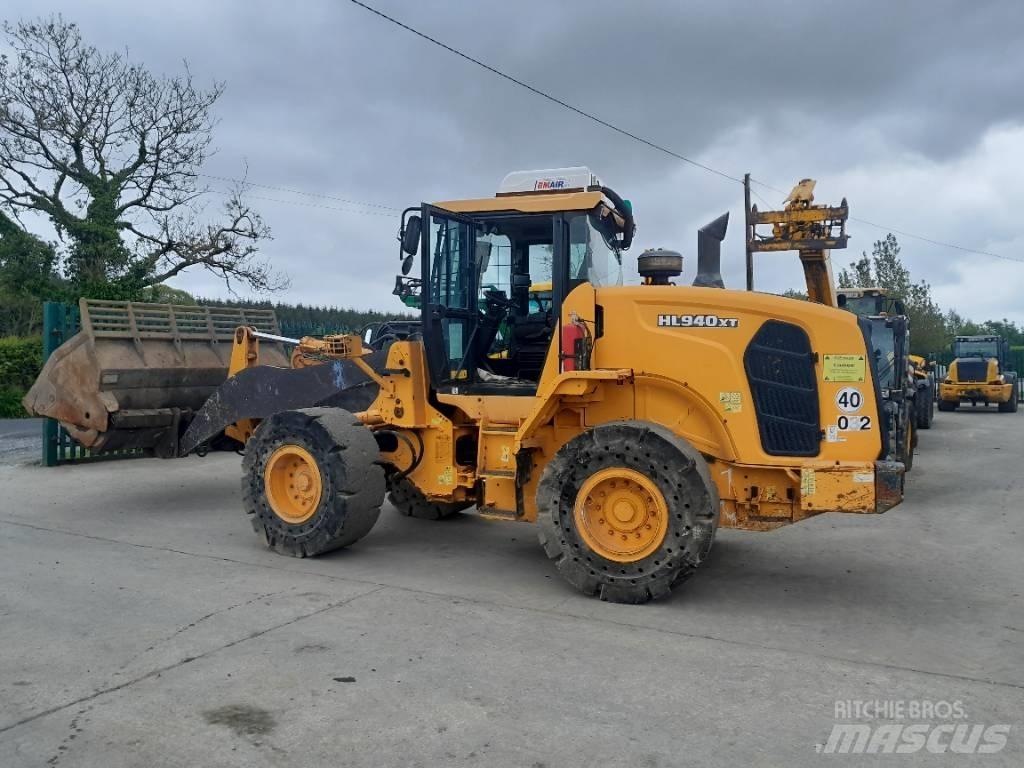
247, 183
635, 137
393, 215
887, 228
548, 96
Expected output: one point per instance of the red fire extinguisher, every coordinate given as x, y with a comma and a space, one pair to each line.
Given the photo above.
576, 345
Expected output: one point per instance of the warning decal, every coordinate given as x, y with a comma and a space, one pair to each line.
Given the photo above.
844, 368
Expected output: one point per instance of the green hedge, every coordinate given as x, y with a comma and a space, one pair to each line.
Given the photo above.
20, 361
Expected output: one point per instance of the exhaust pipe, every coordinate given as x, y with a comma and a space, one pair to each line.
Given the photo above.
709, 253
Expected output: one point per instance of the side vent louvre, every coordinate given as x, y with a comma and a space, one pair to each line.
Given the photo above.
780, 371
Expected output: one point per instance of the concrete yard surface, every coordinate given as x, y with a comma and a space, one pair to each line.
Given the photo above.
142, 623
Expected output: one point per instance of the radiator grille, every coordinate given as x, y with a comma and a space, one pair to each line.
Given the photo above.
780, 370
971, 370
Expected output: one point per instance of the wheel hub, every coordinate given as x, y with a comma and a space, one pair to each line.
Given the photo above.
293, 484
621, 514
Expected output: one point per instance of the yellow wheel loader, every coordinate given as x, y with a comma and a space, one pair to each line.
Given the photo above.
903, 394
628, 422
979, 374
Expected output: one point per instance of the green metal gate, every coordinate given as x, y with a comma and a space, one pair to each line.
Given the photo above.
61, 322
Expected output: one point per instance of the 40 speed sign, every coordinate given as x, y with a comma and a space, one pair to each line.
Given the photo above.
849, 399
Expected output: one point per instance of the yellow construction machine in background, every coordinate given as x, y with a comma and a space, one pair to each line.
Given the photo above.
979, 373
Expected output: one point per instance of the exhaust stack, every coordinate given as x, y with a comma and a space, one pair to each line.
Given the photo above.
709, 253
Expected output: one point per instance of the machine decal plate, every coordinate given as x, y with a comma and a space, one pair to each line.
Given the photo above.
832, 434
844, 368
697, 321
808, 482
732, 402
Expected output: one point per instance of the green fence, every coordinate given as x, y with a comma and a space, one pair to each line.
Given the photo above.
60, 323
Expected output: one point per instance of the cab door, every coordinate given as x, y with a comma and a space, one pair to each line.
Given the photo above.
450, 313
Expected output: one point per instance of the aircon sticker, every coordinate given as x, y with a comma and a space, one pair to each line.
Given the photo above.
697, 321
849, 399
844, 368
732, 402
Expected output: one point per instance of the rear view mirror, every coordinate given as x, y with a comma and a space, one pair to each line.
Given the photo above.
411, 235
407, 264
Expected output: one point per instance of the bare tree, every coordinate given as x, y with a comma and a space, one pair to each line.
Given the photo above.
112, 154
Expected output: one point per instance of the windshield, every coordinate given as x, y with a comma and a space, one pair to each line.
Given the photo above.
883, 344
976, 348
864, 306
591, 256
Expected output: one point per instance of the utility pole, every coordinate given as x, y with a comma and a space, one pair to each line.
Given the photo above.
748, 232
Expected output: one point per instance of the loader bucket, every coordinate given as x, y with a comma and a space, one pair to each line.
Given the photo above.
135, 374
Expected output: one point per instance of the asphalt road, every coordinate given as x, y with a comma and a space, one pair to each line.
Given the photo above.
142, 624
21, 440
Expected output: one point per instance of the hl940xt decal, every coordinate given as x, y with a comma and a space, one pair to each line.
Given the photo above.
697, 321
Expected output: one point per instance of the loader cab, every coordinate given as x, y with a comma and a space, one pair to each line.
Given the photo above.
982, 348
494, 273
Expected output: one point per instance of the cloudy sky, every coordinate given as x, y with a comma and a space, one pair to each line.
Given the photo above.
911, 110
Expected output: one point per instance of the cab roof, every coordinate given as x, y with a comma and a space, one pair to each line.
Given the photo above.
547, 202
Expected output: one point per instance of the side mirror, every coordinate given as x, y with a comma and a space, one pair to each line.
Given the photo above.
407, 264
411, 235
901, 308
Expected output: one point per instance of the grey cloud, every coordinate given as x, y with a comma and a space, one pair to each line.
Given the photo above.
323, 96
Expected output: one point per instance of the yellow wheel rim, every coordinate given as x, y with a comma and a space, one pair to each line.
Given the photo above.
621, 515
293, 483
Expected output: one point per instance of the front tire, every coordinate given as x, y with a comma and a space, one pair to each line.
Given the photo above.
1010, 406
311, 482
925, 408
627, 510
948, 405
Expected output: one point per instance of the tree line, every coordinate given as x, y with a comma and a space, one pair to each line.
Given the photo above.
931, 329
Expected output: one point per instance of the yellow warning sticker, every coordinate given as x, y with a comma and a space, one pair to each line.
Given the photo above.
732, 402
808, 482
844, 368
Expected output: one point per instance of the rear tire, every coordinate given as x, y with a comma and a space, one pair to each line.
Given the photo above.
1010, 406
409, 501
662, 465
948, 405
348, 490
